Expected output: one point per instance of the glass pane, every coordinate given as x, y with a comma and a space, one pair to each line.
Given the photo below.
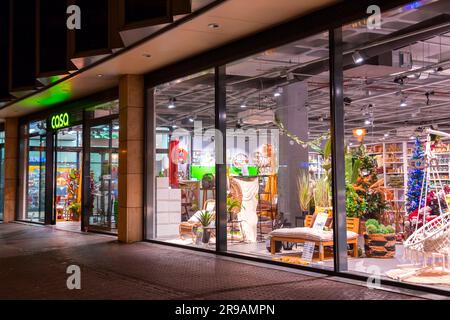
398, 173
104, 168
162, 138
70, 137
32, 172
278, 155
35, 209
115, 134
103, 191
2, 179
185, 162
105, 109
101, 136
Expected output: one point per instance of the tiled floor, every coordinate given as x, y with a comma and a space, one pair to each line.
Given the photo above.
34, 261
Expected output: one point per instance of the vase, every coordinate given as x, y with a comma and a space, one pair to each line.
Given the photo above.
206, 236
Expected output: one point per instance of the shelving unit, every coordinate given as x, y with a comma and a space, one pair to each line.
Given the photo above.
393, 159
316, 165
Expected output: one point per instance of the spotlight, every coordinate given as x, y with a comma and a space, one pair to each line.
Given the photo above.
347, 100
386, 135
357, 57
244, 105
367, 122
403, 103
172, 103
278, 92
400, 80
191, 120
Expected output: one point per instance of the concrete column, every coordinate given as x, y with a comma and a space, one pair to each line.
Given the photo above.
11, 167
293, 157
131, 159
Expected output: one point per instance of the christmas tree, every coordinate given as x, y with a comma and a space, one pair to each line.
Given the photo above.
415, 177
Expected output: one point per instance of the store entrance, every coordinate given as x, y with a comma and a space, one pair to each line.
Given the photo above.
67, 178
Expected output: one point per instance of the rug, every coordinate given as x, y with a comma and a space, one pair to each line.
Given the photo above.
430, 276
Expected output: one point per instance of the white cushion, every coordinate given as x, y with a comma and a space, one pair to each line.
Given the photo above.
306, 233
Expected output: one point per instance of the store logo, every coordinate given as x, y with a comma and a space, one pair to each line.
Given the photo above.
74, 280
74, 20
59, 121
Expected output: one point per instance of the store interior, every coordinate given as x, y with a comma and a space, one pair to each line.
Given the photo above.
66, 211
397, 151
68, 182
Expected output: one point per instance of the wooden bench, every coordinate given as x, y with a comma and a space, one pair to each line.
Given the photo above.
352, 225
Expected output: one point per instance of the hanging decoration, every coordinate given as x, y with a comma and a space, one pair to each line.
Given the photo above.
315, 143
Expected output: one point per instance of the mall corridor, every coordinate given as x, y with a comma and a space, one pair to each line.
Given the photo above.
34, 260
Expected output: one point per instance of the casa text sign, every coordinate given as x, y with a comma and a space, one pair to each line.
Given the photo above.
59, 121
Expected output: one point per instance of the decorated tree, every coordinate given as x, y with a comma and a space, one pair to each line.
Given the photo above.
366, 184
415, 177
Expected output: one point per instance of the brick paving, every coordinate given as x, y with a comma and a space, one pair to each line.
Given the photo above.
34, 259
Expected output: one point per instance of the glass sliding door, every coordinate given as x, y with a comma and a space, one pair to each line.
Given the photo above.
33, 161
103, 183
184, 163
2, 178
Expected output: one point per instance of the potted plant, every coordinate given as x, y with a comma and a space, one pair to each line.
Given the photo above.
233, 207
321, 194
74, 209
205, 218
304, 193
379, 240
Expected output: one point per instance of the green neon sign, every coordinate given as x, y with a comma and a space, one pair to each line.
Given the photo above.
59, 121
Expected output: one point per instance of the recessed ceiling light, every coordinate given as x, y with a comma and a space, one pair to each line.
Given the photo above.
99, 75
213, 26
243, 105
147, 55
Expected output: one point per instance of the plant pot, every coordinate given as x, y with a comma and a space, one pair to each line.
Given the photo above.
206, 236
379, 245
278, 246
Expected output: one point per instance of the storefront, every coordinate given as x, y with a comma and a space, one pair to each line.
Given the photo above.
251, 161
317, 144
69, 168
